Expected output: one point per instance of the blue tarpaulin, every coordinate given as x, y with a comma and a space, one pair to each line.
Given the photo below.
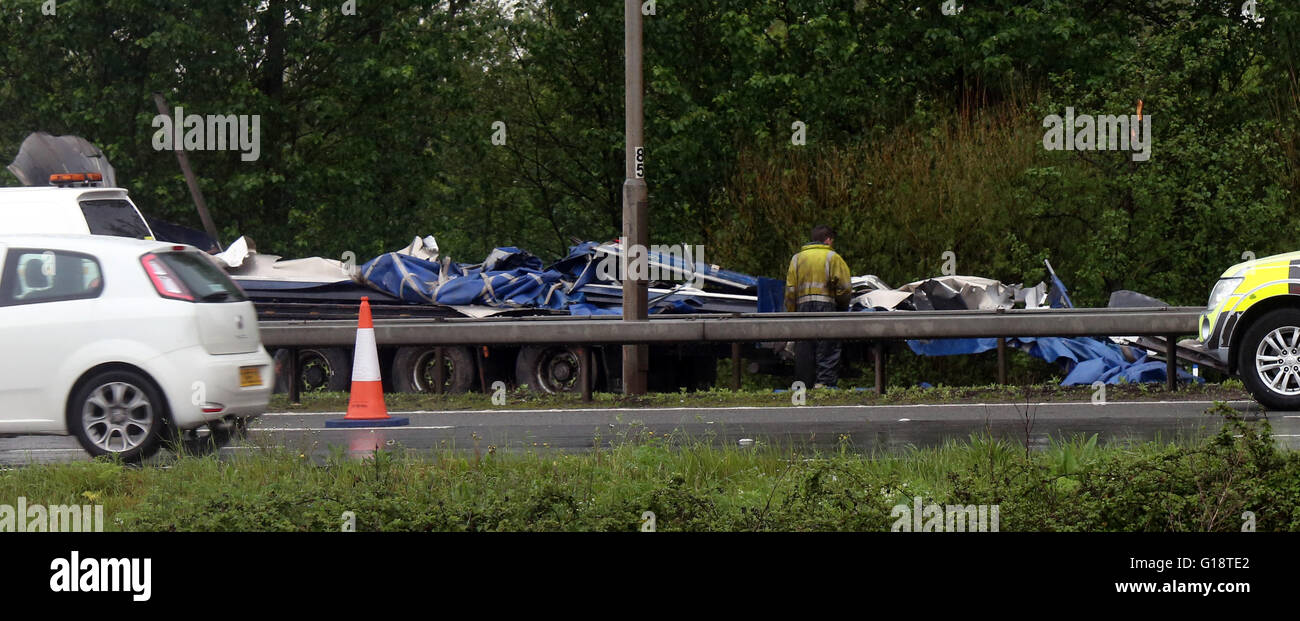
1091, 360
666, 307
520, 287
410, 278
950, 347
416, 280
771, 295
510, 277
1086, 360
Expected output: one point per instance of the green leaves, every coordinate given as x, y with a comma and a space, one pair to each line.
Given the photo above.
376, 127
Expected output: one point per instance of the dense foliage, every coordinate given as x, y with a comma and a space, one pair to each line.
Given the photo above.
924, 130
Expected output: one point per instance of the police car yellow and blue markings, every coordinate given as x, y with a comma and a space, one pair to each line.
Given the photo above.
1240, 288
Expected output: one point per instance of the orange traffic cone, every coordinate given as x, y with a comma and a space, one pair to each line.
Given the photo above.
366, 403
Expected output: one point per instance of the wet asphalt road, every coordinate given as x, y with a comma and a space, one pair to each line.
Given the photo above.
867, 428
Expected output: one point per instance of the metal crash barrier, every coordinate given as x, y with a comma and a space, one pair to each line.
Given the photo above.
1166, 322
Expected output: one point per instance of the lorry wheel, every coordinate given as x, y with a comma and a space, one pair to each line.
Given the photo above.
1268, 359
549, 369
325, 368
413, 369
118, 413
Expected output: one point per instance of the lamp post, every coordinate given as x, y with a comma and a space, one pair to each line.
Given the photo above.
636, 358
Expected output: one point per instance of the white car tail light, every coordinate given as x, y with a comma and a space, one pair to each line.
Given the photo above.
167, 283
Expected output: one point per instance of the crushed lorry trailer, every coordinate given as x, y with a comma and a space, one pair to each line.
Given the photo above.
418, 284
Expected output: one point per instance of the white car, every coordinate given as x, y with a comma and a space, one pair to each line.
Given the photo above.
123, 343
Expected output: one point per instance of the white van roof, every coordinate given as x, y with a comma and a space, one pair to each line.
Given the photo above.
49, 192
48, 209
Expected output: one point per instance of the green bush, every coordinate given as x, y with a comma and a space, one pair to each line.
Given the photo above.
694, 485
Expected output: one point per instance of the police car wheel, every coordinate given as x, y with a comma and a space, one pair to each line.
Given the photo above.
1268, 359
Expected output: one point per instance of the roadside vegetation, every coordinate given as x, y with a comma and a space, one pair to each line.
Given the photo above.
689, 484
379, 126
522, 398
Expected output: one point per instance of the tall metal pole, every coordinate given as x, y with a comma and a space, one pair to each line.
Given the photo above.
636, 358
190, 179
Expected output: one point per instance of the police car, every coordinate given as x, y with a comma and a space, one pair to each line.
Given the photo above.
1252, 325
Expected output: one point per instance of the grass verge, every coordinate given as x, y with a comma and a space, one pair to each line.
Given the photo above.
522, 398
690, 485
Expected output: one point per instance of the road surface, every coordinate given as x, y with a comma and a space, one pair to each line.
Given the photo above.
868, 428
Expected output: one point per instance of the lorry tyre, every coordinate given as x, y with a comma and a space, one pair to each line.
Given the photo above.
324, 369
548, 369
413, 369
1268, 359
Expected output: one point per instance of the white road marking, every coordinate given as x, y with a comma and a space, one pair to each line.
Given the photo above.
43, 450
312, 414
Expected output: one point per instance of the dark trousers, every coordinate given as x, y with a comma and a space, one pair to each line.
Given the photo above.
817, 362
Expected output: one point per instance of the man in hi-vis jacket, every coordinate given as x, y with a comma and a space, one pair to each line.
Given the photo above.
818, 282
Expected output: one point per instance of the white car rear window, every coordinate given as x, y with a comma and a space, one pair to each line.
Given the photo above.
205, 280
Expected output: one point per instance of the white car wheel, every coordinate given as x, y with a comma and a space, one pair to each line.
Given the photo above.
118, 413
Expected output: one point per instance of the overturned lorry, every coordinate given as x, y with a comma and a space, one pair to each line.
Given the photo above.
416, 282
419, 282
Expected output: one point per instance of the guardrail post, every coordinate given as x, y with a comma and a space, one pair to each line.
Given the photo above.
439, 373
1002, 360
294, 397
1171, 364
878, 356
735, 367
584, 372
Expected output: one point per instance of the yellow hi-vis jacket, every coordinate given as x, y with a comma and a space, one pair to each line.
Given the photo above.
817, 274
